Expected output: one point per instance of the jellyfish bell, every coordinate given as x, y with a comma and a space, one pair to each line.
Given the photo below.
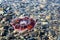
23, 24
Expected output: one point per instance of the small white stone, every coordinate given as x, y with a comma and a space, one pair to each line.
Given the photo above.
14, 4
43, 23
21, 36
7, 8
1, 11
22, 16
0, 1
42, 5
35, 29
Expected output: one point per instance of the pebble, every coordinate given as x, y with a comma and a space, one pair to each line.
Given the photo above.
5, 33
44, 23
1, 11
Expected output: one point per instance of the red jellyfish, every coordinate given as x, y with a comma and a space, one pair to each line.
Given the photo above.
22, 24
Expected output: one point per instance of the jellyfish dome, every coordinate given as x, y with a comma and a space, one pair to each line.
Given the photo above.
22, 24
